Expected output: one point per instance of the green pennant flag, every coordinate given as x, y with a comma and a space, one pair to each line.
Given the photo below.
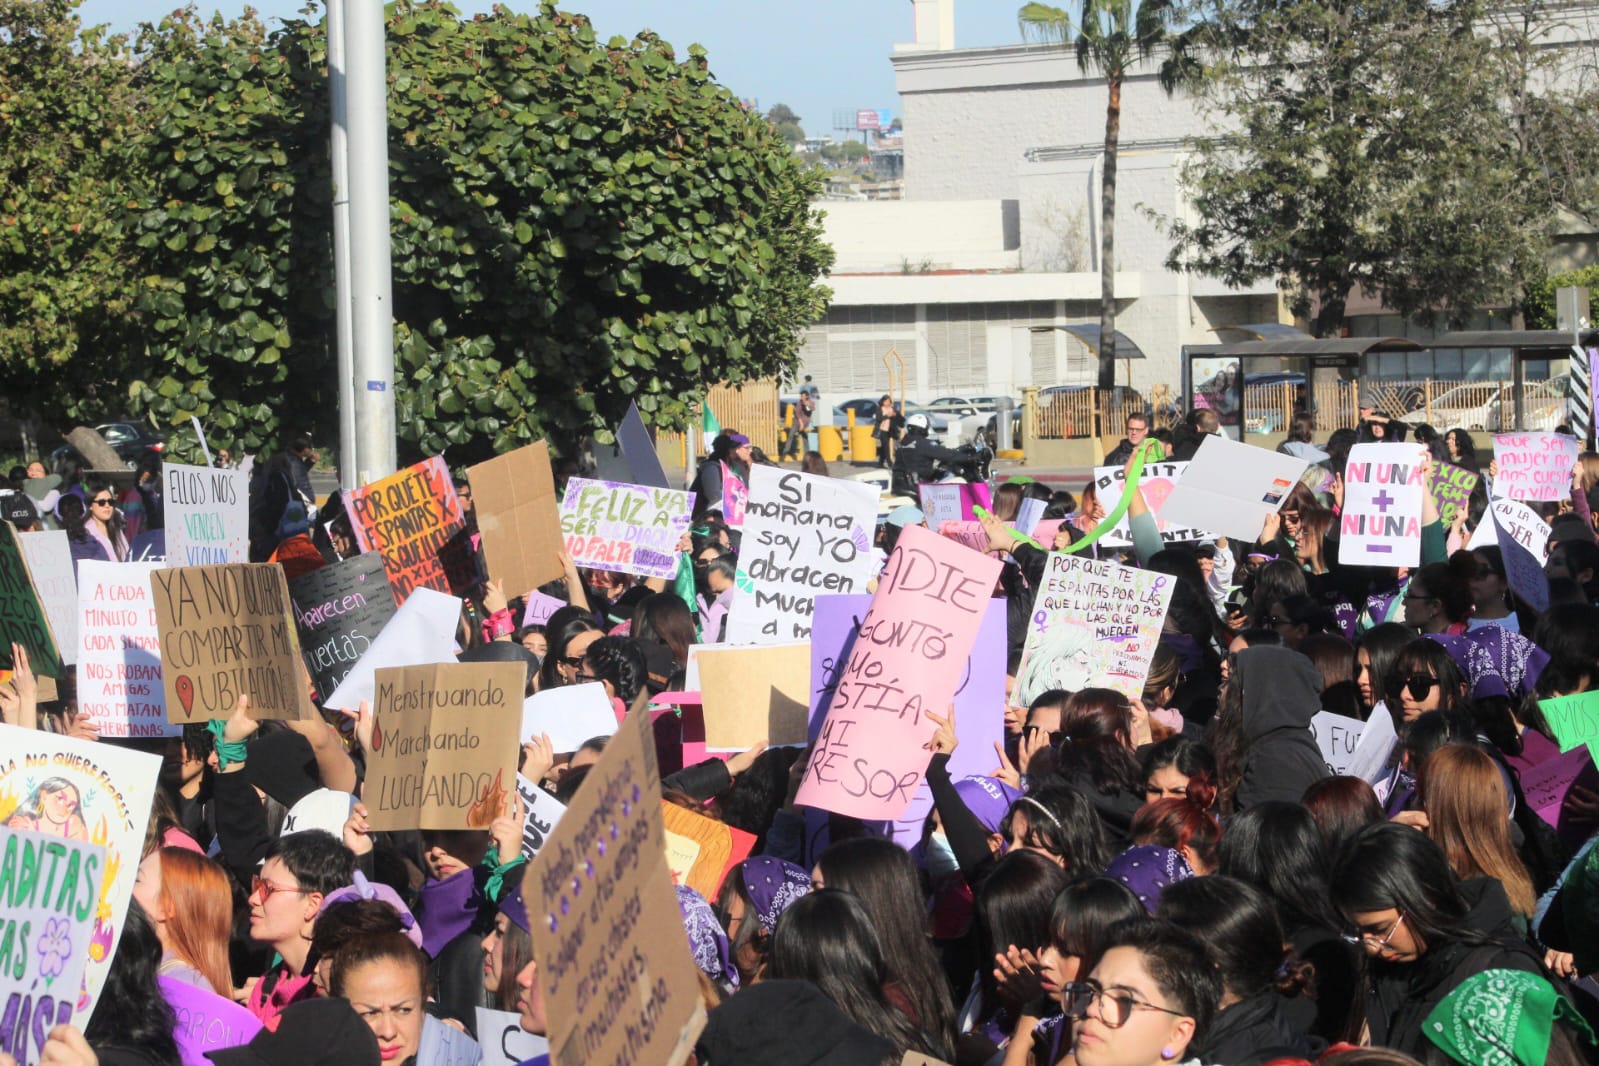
712, 427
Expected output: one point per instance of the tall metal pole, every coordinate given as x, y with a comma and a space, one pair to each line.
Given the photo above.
371, 293
338, 88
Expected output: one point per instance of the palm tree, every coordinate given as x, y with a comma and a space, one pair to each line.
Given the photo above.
1110, 37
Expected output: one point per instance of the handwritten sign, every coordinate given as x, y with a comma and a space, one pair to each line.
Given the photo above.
1369, 761
1524, 571
700, 850
204, 1021
513, 496
539, 607
504, 1041
543, 812
421, 631
1534, 466
1093, 623
1547, 784
444, 745
1155, 485
207, 515
1574, 720
953, 501
755, 695
52, 889
1383, 490
49, 556
340, 610
909, 659
1337, 736
735, 498
226, 632
967, 534
119, 651
619, 981
1451, 488
631, 529
803, 536
22, 617
415, 521
1517, 519
80, 792
1029, 513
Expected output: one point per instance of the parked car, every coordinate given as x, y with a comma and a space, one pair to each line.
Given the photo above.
1491, 408
973, 413
130, 440
866, 409
1123, 398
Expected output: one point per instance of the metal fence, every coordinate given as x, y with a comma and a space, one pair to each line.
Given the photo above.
1072, 412
752, 409
1443, 403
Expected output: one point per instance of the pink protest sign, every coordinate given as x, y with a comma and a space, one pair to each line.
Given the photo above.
968, 533
1546, 784
1044, 533
908, 660
204, 1021
735, 497
539, 608
1534, 466
954, 501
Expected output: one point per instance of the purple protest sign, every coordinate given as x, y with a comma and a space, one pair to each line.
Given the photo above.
632, 529
954, 501
1524, 571
204, 1021
539, 608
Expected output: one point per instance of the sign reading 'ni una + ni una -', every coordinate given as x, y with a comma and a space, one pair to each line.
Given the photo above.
631, 529
1383, 489
340, 610
414, 519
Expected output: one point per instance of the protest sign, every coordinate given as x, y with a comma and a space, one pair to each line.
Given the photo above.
1534, 466
444, 745
446, 1045
1045, 532
953, 501
631, 529
1093, 623
421, 631
632, 459
1384, 485
415, 521
569, 714
119, 651
979, 701
967, 534
1517, 519
340, 610
204, 1021
22, 617
49, 556
539, 607
613, 958
803, 536
1337, 736
504, 1041
700, 850
543, 811
78, 792
226, 632
735, 498
908, 660
1155, 484
1574, 720
1230, 488
513, 497
1029, 513
1451, 487
1546, 784
1369, 760
52, 890
207, 515
755, 696
1524, 572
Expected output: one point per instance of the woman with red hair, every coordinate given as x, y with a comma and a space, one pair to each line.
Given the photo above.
188, 898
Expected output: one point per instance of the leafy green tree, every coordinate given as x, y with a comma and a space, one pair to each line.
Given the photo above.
1540, 303
787, 123
1110, 36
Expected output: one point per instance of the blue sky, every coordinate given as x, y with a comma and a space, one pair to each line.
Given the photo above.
817, 56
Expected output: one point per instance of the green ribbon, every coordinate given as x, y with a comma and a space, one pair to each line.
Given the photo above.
228, 751
982, 512
494, 887
1110, 521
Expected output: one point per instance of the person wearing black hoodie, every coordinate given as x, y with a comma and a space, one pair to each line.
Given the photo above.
1262, 740
1422, 931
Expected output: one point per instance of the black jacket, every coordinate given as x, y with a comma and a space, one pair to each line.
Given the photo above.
1254, 1031
1119, 454
1281, 694
916, 459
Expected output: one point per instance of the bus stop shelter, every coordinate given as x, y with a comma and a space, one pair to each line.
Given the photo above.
1544, 376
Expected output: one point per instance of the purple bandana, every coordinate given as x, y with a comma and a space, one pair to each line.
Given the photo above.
705, 937
772, 884
515, 909
1482, 675
987, 799
1147, 870
1517, 660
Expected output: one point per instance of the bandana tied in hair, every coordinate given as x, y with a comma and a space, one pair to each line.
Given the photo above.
772, 885
1501, 1018
1147, 870
705, 937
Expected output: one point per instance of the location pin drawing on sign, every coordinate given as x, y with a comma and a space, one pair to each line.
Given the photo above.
185, 687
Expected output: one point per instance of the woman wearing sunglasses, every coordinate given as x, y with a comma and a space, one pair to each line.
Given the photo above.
94, 525
1424, 678
284, 899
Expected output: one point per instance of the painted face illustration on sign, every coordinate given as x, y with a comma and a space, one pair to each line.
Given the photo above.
1062, 660
52, 807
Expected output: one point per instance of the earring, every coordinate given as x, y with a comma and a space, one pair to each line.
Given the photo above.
1168, 1054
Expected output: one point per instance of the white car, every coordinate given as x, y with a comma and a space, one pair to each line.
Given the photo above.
1490, 408
969, 415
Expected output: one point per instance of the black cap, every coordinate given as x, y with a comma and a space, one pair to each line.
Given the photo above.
312, 1032
16, 508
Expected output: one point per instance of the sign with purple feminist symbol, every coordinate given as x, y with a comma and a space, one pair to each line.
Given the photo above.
1383, 489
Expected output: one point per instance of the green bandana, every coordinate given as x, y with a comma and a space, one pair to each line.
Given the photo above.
1501, 1018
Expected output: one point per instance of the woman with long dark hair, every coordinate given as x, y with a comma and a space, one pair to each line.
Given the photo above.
568, 639
1013, 923
1096, 757
1375, 656
1423, 678
617, 663
1182, 768
132, 1024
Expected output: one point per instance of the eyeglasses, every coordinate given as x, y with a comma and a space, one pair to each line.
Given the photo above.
1290, 516
1114, 1008
1371, 938
260, 886
1418, 685
106, 502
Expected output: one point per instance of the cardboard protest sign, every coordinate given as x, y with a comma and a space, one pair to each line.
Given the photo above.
226, 632
1383, 489
207, 515
613, 958
1534, 466
953, 501
81, 792
631, 529
340, 610
803, 536
1451, 488
570, 714
735, 498
444, 745
513, 496
22, 617
120, 684
52, 890
421, 631
539, 607
755, 696
415, 521
504, 1041
967, 534
204, 1021
979, 701
543, 812
1337, 736
1230, 488
1093, 623
1574, 720
49, 556
1524, 571
700, 850
632, 459
1517, 519
1155, 484
909, 660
